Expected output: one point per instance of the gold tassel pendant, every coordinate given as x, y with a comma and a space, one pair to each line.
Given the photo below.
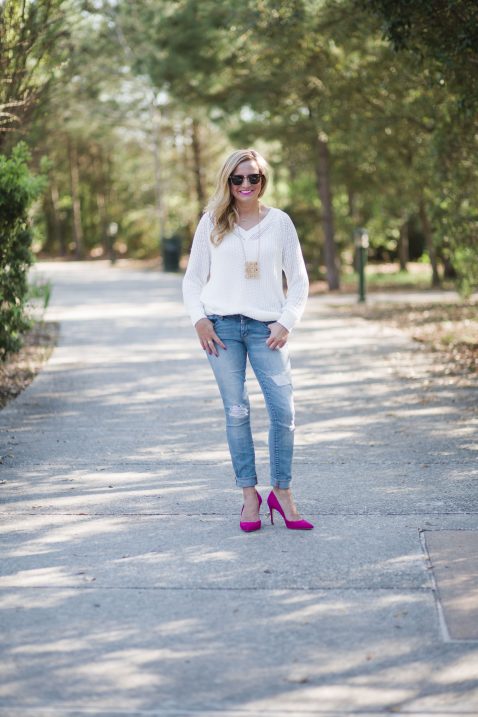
252, 269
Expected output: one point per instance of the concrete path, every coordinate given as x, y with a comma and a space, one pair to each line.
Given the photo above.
127, 587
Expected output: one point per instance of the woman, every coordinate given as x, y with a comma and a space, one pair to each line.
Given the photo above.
233, 292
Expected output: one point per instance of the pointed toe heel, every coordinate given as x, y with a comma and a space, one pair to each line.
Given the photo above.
274, 504
250, 526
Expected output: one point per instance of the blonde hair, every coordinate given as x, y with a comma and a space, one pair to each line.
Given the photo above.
221, 206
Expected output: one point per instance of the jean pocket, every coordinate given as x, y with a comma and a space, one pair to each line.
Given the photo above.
213, 317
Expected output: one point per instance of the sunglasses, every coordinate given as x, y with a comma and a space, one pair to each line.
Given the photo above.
237, 179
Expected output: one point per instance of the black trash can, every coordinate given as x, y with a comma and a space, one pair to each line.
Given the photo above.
171, 247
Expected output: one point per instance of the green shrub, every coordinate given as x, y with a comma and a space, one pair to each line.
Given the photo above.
18, 188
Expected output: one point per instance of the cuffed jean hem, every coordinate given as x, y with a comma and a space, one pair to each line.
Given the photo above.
246, 482
281, 484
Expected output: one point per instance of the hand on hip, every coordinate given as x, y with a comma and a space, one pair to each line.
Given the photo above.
278, 337
207, 336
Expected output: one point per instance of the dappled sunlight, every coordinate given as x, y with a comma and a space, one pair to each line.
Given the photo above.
113, 551
428, 411
74, 530
179, 627
190, 556
124, 568
214, 556
462, 668
312, 608
107, 490
340, 696
55, 646
387, 668
130, 668
315, 434
125, 310
117, 653
342, 397
396, 490
14, 599
466, 604
37, 576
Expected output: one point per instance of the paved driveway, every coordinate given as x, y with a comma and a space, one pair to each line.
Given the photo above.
127, 587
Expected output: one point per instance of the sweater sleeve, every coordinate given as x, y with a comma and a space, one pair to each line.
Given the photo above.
197, 273
296, 275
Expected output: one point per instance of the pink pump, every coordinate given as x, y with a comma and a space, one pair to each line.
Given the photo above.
274, 504
250, 526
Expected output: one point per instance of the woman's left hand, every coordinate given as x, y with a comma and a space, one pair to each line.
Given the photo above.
278, 337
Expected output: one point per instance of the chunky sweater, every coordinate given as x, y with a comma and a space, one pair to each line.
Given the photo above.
215, 282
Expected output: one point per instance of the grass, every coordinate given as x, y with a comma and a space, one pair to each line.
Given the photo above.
388, 276
384, 277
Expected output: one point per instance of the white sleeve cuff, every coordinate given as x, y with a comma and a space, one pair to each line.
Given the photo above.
287, 319
197, 316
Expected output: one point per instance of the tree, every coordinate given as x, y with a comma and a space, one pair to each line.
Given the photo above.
203, 54
33, 37
443, 36
358, 133
17, 190
443, 33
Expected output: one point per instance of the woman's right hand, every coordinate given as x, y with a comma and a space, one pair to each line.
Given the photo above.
208, 337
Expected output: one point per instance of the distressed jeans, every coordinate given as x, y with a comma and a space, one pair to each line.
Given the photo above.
245, 337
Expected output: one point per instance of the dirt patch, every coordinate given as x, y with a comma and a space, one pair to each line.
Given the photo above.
448, 330
19, 370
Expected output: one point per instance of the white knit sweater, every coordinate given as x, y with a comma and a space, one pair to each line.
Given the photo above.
215, 283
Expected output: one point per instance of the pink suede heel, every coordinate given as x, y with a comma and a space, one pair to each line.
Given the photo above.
274, 504
249, 526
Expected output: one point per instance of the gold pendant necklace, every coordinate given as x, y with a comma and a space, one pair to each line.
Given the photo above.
251, 268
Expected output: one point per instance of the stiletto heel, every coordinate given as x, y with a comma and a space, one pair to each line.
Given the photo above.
274, 504
250, 526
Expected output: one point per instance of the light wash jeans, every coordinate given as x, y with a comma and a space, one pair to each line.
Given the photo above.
247, 337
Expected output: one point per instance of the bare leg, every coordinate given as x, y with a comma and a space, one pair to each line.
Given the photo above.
285, 498
251, 505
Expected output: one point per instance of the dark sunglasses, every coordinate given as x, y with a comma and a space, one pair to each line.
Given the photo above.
237, 179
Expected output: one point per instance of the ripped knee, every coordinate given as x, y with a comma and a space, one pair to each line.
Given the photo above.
238, 411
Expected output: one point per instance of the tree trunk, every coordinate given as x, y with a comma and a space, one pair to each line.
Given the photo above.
322, 172
353, 216
403, 253
427, 232
198, 175
158, 188
58, 236
100, 188
101, 206
109, 190
75, 200
449, 271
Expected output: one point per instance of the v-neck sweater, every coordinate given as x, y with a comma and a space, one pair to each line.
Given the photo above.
215, 282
